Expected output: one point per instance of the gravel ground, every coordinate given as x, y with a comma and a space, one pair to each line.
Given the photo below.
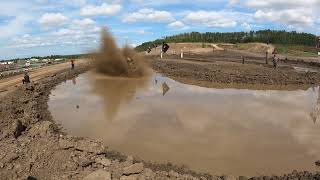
33, 146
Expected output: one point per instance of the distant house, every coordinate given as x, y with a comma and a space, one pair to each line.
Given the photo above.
59, 60
7, 63
34, 60
27, 65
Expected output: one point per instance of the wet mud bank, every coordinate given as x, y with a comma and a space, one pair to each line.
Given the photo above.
235, 75
32, 145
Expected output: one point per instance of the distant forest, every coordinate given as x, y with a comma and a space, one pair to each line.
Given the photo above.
263, 36
76, 56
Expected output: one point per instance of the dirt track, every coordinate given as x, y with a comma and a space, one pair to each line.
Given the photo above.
8, 83
35, 146
209, 72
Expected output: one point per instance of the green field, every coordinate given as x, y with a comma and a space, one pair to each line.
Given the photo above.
296, 50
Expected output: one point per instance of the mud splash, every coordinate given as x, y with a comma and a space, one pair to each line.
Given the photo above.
120, 62
120, 73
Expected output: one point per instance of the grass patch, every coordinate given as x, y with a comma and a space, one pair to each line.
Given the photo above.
296, 50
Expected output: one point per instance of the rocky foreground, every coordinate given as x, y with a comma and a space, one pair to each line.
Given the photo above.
33, 146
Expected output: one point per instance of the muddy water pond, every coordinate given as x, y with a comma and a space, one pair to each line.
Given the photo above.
220, 131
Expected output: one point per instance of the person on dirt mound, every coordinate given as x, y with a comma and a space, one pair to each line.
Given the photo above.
72, 64
165, 47
274, 61
26, 78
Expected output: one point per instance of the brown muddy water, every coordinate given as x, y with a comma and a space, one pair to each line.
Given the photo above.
220, 131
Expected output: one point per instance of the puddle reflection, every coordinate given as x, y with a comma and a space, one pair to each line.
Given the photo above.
224, 131
116, 91
165, 88
316, 110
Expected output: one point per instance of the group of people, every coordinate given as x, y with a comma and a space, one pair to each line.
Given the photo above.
26, 78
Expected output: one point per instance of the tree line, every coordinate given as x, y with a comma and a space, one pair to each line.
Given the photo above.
74, 56
263, 36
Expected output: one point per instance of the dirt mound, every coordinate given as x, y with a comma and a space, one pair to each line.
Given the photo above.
203, 48
194, 48
114, 61
216, 47
260, 47
255, 47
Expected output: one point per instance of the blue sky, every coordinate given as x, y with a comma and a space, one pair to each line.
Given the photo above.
46, 27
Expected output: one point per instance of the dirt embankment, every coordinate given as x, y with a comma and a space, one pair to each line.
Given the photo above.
33, 145
209, 73
201, 48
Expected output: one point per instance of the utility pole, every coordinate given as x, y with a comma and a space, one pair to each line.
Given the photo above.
181, 55
318, 47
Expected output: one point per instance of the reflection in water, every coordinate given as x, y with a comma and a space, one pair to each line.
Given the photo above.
116, 91
316, 111
165, 88
305, 69
74, 82
224, 131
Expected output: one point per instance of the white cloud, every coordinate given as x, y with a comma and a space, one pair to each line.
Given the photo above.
14, 27
49, 20
176, 25
149, 15
65, 32
295, 13
104, 9
153, 3
213, 19
246, 26
142, 32
87, 22
76, 2
79, 32
233, 2
281, 4
294, 17
19, 19
28, 41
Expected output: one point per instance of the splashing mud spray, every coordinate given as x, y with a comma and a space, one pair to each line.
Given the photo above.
120, 74
119, 62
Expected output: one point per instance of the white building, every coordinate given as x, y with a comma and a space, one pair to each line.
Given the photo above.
7, 62
27, 64
34, 60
